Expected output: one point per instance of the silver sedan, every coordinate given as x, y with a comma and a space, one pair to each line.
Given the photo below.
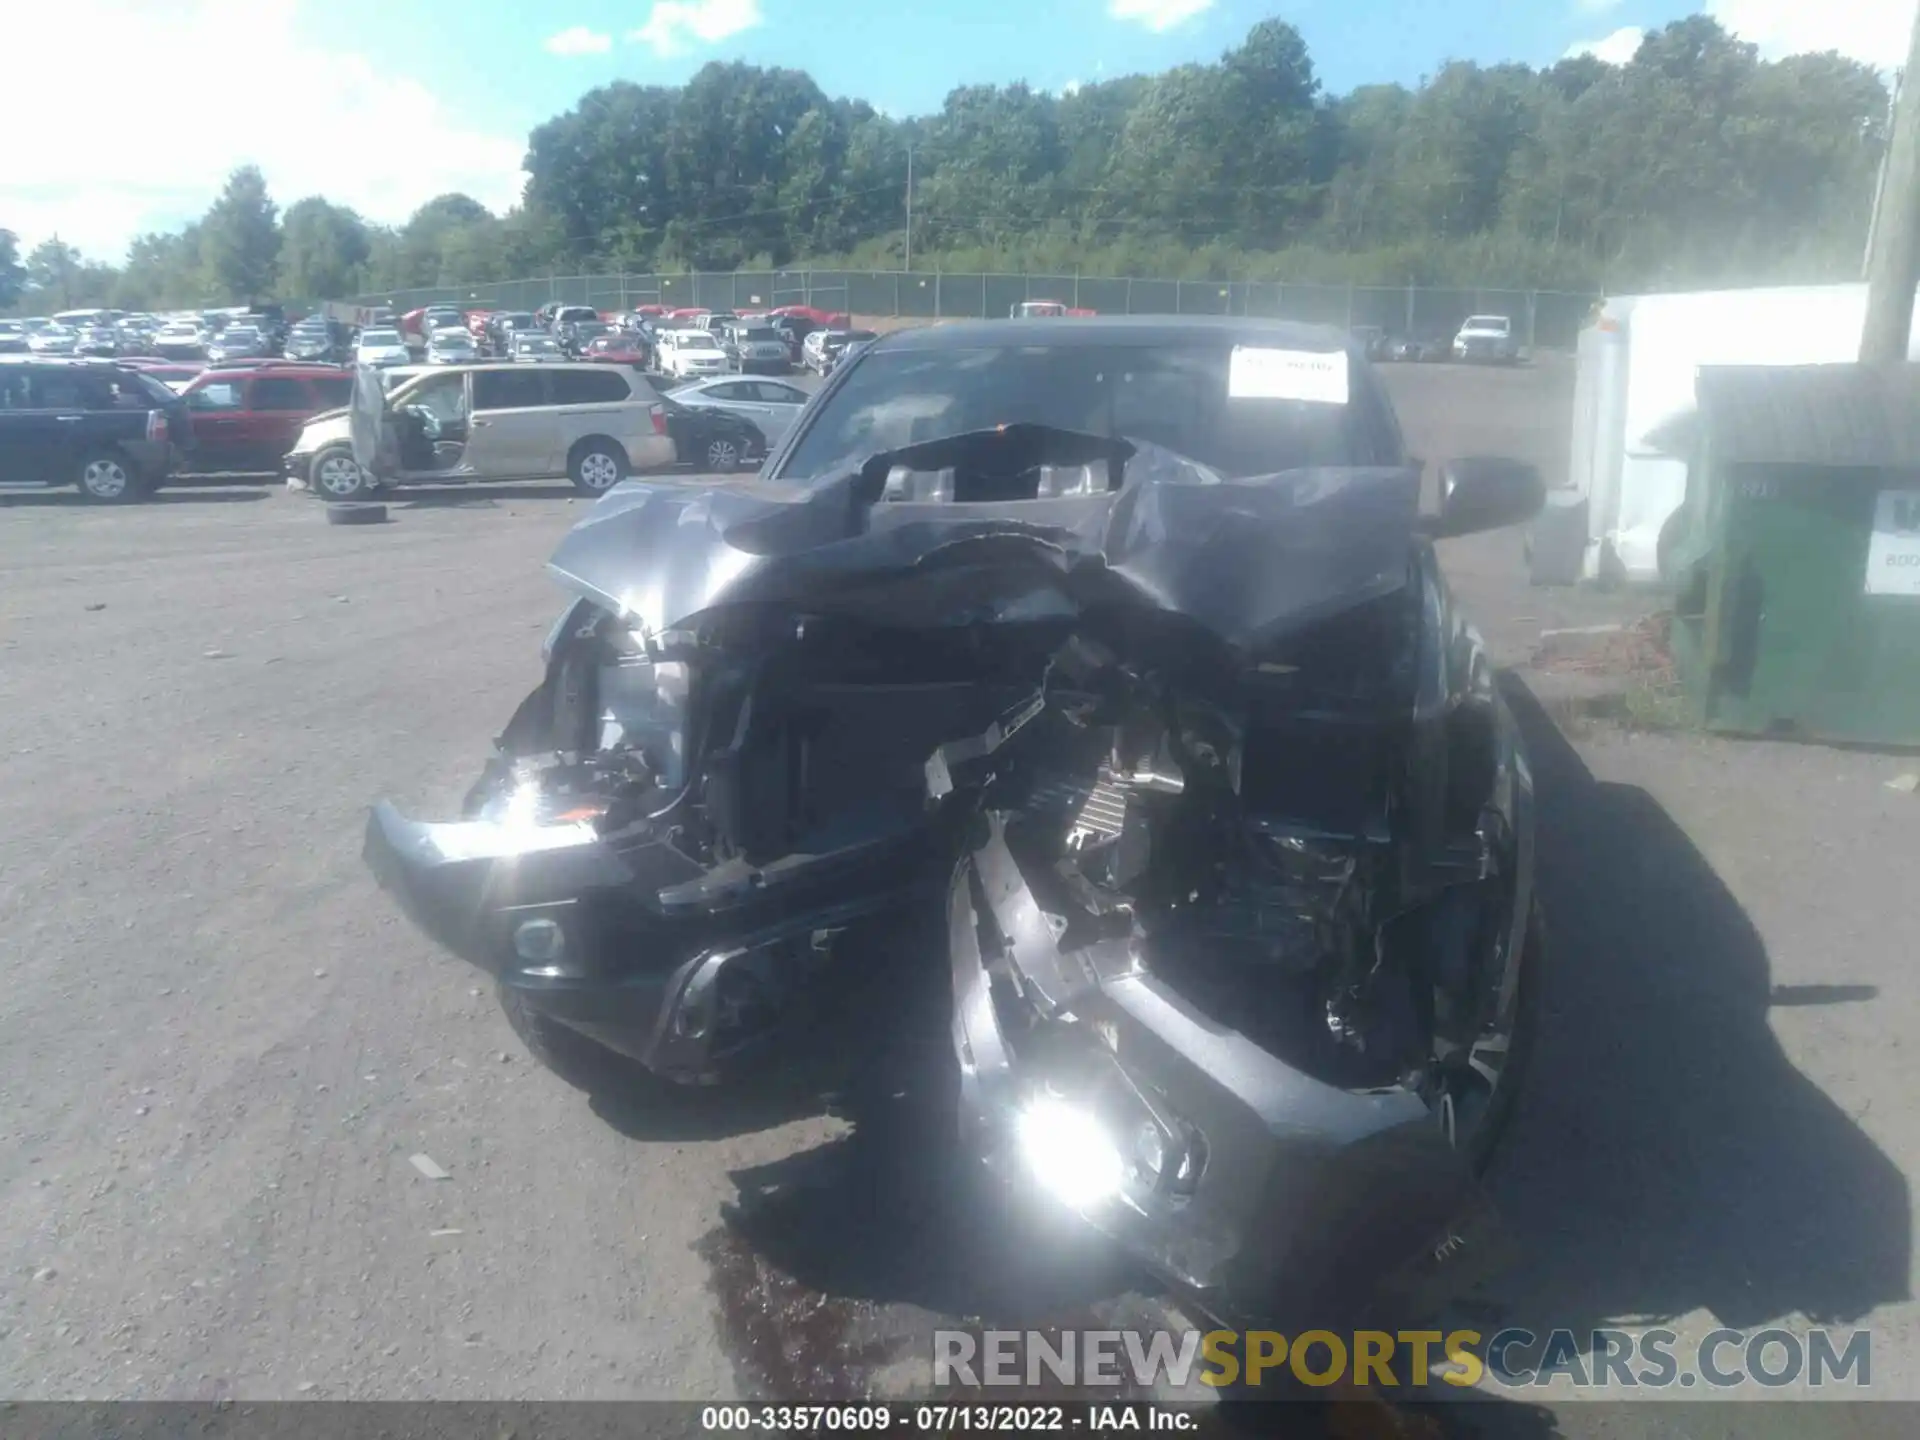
772, 405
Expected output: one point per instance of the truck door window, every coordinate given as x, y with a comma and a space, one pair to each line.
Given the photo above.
220, 395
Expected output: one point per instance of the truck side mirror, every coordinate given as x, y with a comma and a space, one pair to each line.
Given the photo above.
1486, 493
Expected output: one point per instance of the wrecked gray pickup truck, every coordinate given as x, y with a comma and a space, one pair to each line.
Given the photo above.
1124, 647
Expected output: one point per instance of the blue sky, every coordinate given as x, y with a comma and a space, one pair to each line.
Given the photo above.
905, 57
390, 102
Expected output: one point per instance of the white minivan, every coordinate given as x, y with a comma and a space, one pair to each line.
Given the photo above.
595, 424
690, 354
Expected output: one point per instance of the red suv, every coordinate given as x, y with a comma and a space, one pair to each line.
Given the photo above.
246, 417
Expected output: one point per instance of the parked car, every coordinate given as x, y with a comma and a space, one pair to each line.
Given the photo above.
181, 340
504, 325
452, 346
715, 322
313, 340
247, 419
685, 354
825, 348
794, 329
713, 440
770, 405
381, 347
1371, 340
1047, 310
1414, 349
532, 345
595, 424
238, 342
176, 375
563, 315
13, 337
53, 340
620, 347
1243, 961
110, 431
756, 349
1487, 340
575, 335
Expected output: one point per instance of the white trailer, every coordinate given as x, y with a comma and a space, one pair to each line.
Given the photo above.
1634, 393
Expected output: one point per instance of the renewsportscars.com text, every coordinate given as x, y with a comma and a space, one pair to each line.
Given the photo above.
1602, 1359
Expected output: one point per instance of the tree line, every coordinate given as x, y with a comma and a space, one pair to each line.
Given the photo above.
1695, 162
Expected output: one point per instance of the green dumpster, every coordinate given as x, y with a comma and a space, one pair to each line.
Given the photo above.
1796, 553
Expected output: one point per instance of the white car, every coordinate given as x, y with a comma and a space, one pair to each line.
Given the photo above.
54, 340
181, 340
1488, 339
379, 348
688, 354
451, 346
771, 405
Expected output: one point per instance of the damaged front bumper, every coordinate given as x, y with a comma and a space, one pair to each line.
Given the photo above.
1255, 1187
691, 971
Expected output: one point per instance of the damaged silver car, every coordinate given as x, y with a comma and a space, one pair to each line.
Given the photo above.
1122, 645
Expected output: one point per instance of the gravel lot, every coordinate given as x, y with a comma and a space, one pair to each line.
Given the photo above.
221, 1045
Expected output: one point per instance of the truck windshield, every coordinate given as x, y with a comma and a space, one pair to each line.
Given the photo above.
1169, 395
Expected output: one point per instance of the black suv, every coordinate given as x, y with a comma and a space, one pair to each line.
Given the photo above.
112, 432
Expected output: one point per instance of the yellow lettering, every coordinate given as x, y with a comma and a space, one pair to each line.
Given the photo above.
1337, 1364
1266, 1350
1418, 1341
1372, 1352
1223, 1369
1469, 1367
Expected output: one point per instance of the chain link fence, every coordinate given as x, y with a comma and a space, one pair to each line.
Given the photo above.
1545, 319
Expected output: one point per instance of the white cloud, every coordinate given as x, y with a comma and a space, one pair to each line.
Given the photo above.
1875, 31
1072, 87
676, 26
1616, 49
366, 131
1157, 15
578, 40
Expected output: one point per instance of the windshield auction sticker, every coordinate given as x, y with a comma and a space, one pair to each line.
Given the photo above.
1317, 376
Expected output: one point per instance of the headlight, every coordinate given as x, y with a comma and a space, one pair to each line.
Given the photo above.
1068, 1152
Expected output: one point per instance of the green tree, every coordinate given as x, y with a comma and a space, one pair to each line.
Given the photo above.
56, 274
240, 238
13, 275
324, 249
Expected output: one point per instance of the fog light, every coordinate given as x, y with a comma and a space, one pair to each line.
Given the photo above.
540, 942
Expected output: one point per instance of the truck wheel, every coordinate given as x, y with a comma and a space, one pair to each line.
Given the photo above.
584, 1064
596, 466
109, 478
336, 475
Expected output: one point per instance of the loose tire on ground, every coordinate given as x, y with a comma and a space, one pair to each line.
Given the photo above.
596, 466
356, 514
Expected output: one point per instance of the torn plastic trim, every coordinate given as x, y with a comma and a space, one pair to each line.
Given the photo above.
1282, 1150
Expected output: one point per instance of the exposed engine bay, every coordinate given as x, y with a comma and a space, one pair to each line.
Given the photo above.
1216, 796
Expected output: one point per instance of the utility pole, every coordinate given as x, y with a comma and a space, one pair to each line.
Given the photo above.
909, 260
1893, 266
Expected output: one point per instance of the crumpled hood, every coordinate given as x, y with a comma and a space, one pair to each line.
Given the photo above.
1248, 559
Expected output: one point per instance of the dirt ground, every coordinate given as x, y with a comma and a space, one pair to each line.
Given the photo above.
220, 1044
